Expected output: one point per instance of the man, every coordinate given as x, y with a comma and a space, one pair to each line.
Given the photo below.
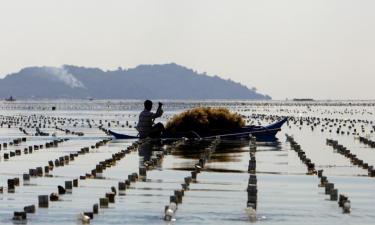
146, 126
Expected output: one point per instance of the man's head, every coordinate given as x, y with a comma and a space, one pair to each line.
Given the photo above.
148, 105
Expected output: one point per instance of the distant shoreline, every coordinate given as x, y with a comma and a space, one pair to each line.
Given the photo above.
307, 101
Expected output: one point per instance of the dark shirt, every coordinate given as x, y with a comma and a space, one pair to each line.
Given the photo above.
146, 121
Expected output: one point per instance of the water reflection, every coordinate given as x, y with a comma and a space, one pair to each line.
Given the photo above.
148, 153
145, 151
226, 151
269, 146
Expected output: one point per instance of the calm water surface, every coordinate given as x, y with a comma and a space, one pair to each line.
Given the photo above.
286, 195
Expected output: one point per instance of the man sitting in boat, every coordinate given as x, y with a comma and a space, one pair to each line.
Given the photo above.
146, 126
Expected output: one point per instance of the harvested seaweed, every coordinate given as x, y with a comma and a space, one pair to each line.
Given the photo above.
204, 120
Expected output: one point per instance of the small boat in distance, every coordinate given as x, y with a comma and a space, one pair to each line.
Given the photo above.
303, 100
10, 99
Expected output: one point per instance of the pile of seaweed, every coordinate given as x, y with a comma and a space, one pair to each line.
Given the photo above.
204, 120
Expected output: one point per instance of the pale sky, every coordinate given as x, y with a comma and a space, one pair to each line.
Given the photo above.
324, 49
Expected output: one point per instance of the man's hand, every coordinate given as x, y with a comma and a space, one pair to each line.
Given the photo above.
160, 104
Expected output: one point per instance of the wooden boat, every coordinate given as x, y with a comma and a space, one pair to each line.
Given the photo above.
10, 99
260, 132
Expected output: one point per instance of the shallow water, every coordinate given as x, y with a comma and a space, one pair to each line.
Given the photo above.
286, 195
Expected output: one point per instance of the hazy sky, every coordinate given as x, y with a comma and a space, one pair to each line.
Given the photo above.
323, 49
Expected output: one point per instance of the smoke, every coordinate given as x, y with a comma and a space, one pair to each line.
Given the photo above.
62, 75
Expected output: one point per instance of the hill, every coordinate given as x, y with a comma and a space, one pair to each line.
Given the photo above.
167, 81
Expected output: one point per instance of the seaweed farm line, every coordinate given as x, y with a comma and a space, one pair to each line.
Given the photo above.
60, 167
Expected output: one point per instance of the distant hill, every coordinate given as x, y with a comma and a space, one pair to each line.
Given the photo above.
167, 81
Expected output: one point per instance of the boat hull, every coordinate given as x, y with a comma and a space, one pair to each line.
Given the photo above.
260, 132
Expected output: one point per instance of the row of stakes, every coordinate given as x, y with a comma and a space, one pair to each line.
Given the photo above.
43, 200
24, 131
40, 133
176, 198
353, 158
67, 131
315, 121
40, 121
343, 200
53, 122
12, 183
326, 123
252, 189
97, 174
109, 198
30, 149
367, 141
329, 124
15, 142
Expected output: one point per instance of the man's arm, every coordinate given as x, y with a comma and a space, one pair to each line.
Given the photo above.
159, 111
